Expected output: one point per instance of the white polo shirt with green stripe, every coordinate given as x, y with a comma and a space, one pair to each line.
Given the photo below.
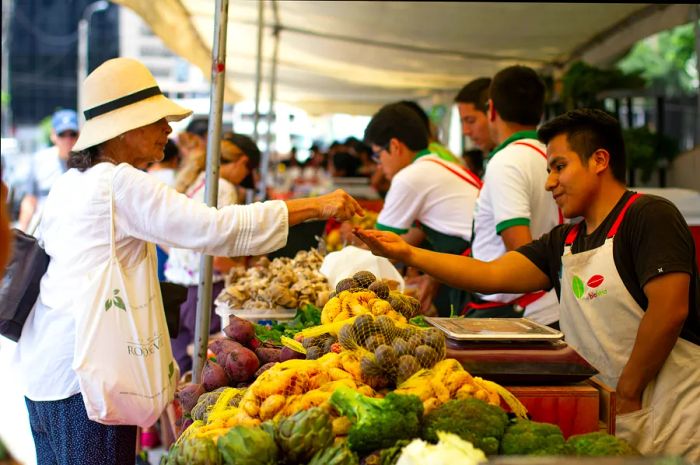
513, 194
425, 191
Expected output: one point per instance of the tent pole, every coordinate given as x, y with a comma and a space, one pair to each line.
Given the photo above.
695, 14
258, 71
265, 165
211, 189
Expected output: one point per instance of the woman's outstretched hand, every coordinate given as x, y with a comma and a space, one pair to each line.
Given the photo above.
338, 204
385, 244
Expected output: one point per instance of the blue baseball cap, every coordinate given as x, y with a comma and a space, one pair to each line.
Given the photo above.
64, 120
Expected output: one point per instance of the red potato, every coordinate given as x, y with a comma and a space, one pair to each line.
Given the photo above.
240, 330
268, 354
213, 376
241, 365
289, 354
188, 396
223, 346
264, 368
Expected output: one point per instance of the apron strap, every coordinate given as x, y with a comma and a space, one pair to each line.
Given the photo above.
573, 233
466, 175
616, 225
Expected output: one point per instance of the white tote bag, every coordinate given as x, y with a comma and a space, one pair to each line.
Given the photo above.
122, 356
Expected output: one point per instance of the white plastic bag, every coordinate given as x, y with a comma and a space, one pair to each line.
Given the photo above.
122, 355
346, 262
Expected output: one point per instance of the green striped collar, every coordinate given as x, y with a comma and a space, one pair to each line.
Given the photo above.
421, 153
529, 134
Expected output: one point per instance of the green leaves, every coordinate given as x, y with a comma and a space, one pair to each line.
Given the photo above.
116, 301
578, 287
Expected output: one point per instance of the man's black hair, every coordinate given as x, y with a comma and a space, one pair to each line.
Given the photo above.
517, 93
198, 126
398, 121
475, 92
419, 111
588, 130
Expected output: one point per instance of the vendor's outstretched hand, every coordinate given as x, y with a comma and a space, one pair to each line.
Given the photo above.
384, 243
338, 204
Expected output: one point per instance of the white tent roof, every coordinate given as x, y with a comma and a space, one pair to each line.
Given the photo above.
354, 56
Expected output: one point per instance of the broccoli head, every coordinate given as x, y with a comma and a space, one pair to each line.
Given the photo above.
598, 445
378, 423
473, 420
525, 437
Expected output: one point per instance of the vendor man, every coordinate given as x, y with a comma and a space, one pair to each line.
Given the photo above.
513, 208
426, 189
626, 279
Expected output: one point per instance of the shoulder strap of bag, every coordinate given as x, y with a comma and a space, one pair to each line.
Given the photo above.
112, 221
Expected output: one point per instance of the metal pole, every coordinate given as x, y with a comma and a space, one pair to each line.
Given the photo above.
265, 162
211, 189
83, 36
696, 19
5, 79
258, 71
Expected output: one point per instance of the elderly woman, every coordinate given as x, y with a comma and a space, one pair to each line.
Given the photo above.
182, 266
126, 127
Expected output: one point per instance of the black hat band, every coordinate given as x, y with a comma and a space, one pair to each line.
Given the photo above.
121, 102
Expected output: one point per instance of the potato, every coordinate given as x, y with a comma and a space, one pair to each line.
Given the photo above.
241, 365
240, 330
264, 368
268, 354
221, 347
213, 376
289, 354
189, 395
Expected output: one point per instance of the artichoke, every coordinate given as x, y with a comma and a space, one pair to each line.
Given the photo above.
303, 434
248, 446
198, 451
334, 455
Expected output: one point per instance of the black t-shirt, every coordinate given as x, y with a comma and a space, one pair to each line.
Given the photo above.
653, 238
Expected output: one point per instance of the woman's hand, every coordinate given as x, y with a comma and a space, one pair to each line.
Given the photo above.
385, 244
338, 204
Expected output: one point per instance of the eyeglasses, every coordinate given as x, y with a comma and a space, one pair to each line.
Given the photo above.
65, 134
376, 155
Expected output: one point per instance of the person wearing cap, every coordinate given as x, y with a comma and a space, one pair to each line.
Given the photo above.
126, 126
513, 207
626, 280
47, 165
426, 191
182, 265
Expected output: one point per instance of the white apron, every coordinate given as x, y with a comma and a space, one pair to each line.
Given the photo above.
600, 320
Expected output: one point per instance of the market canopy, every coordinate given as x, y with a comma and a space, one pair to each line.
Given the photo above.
352, 57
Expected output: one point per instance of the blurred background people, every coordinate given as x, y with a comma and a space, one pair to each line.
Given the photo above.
47, 165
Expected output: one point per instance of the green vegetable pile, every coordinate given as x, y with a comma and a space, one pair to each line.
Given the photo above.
306, 317
378, 423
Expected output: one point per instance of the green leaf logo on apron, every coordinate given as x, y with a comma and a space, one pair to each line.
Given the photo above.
578, 287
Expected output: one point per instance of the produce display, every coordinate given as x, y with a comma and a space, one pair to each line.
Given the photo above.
354, 383
276, 284
363, 294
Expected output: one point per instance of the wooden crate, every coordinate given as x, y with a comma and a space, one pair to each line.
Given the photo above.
574, 408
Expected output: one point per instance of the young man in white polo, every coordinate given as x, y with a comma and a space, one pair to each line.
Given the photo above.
513, 208
426, 191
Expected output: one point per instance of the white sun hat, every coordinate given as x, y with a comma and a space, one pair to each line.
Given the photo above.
120, 95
